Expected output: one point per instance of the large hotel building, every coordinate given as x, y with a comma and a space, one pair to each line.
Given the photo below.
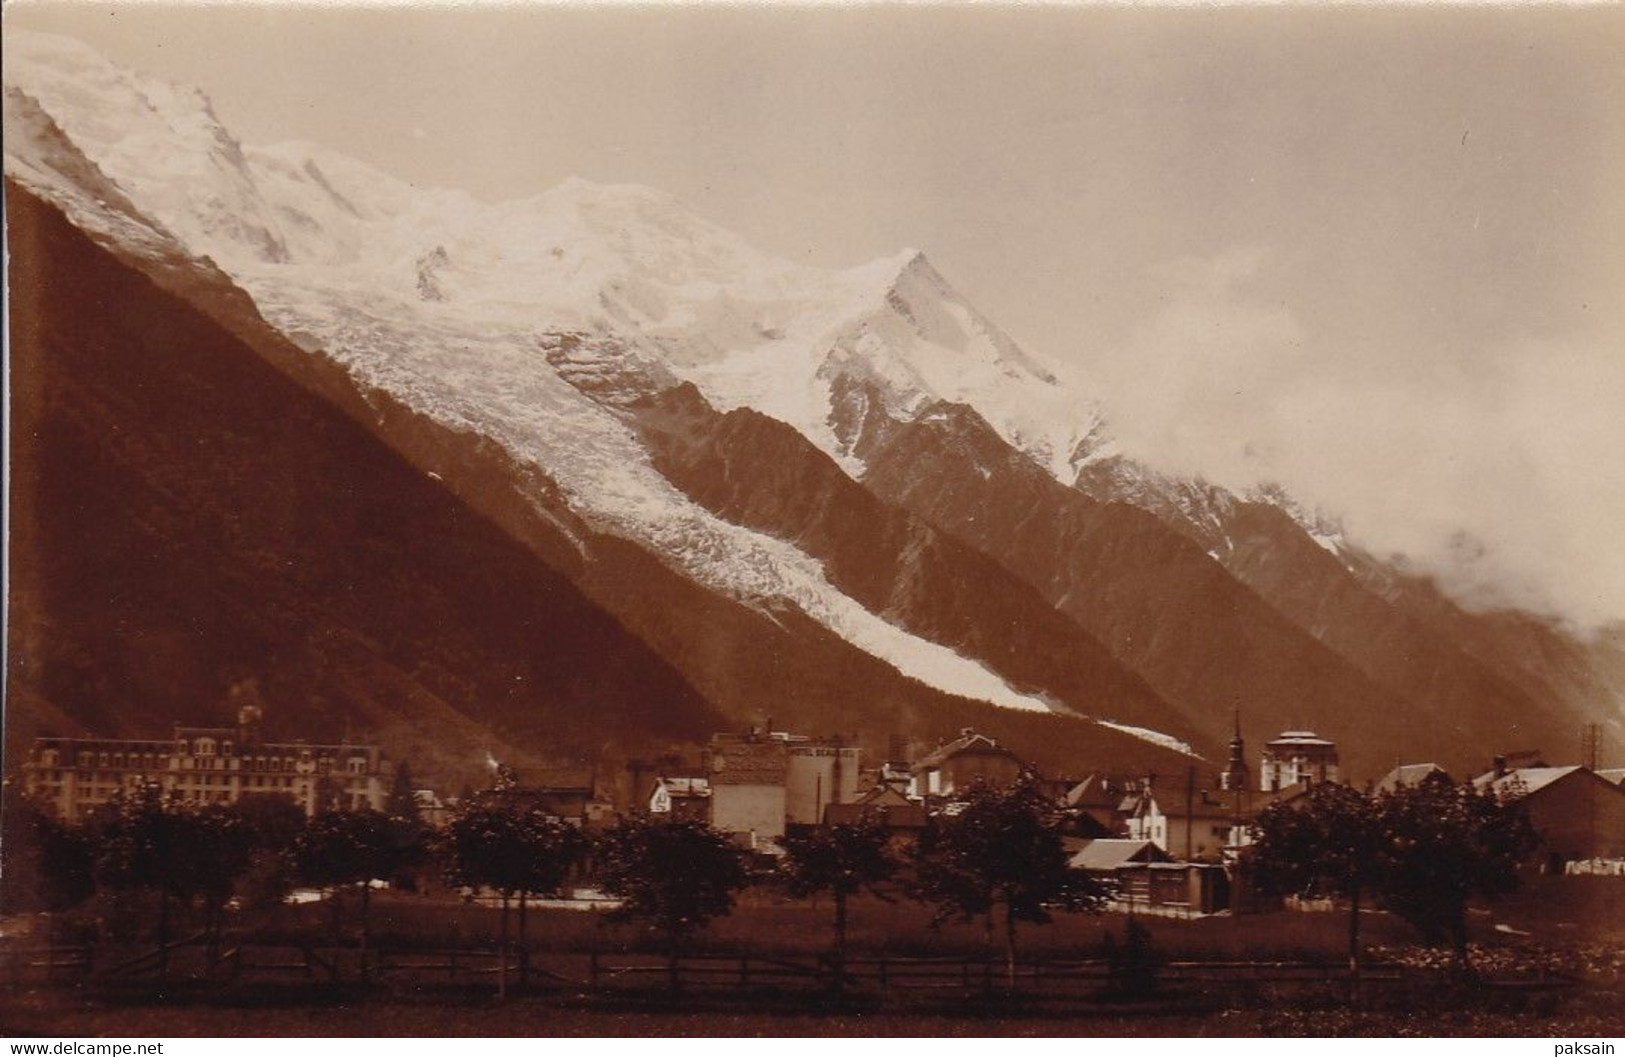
205, 765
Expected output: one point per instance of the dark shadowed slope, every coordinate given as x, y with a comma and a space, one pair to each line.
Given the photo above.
1426, 662
1202, 640
1479, 708
185, 516
759, 472
1578, 674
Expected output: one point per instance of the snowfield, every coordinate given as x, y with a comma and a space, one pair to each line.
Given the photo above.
1167, 741
446, 302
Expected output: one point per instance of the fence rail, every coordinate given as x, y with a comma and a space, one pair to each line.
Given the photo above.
47, 964
903, 974
877, 976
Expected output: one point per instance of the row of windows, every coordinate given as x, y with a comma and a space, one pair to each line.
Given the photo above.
324, 764
160, 761
149, 760
52, 781
92, 778
96, 780
134, 761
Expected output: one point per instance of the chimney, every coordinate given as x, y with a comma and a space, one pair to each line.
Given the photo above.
1500, 766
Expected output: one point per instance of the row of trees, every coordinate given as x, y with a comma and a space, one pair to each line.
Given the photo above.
1000, 859
1422, 852
199, 858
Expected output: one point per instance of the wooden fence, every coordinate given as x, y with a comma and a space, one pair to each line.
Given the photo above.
1045, 978
898, 974
193, 960
45, 964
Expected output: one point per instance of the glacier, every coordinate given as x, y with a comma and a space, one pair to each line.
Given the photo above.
330, 250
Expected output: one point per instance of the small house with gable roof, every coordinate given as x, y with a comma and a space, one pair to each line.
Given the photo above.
951, 768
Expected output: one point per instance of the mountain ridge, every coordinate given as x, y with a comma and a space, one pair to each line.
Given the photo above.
550, 341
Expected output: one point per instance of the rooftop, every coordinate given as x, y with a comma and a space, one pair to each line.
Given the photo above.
1410, 774
690, 787
1094, 791
968, 742
1299, 737
1109, 853
1522, 781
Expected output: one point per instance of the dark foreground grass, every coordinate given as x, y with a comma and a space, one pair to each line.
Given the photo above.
765, 926
1561, 911
59, 1014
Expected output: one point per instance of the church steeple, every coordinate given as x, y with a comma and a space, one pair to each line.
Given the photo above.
1235, 774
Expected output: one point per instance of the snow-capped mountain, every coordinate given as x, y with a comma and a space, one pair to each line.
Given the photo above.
859, 447
457, 309
336, 276
750, 330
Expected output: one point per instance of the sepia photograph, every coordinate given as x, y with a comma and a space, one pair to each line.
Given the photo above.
897, 520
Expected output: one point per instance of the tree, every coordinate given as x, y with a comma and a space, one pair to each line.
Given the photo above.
1442, 845
147, 841
1132, 967
515, 851
221, 844
842, 859
676, 876
402, 801
1326, 845
343, 848
44, 864
274, 822
1003, 851
1424, 850
408, 827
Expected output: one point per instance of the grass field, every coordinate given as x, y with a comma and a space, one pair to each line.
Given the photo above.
1556, 910
60, 1014
766, 926
1585, 923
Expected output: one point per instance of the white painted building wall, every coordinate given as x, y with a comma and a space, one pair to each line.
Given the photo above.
819, 775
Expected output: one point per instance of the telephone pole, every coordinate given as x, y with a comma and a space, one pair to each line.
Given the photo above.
1590, 745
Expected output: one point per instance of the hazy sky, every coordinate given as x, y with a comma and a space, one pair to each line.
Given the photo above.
1376, 253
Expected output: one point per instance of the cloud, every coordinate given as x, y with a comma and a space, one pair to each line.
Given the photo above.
1190, 389
1501, 478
